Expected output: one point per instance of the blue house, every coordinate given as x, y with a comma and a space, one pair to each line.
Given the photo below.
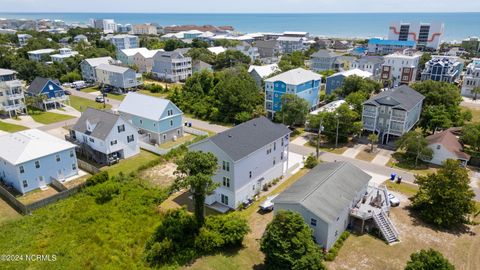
303, 83
157, 120
336, 80
442, 69
48, 93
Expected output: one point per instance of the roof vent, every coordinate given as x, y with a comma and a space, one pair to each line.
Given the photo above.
230, 135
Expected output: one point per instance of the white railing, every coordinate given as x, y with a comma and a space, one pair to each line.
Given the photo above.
15, 96
195, 131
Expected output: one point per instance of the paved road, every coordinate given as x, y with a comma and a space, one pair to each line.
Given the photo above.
195, 122
469, 103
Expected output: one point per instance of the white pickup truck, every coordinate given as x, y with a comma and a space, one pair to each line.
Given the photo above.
267, 205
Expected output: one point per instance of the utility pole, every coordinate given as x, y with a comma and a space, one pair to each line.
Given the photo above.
318, 137
336, 138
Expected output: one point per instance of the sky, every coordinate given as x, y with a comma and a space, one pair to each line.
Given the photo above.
239, 6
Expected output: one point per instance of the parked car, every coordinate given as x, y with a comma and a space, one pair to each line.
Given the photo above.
68, 93
394, 201
267, 205
100, 99
247, 203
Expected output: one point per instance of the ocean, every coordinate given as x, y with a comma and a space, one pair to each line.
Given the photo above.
363, 25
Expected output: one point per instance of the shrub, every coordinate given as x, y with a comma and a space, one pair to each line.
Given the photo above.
333, 252
265, 187
311, 162
98, 178
104, 192
208, 241
428, 259
232, 228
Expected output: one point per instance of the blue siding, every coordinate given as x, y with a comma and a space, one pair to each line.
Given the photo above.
334, 82
274, 92
52, 90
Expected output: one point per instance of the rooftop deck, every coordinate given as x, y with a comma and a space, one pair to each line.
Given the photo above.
372, 203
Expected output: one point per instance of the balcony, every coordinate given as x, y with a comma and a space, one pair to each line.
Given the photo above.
14, 107
15, 96
398, 118
370, 114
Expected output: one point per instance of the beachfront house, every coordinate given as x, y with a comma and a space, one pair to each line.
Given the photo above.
47, 93
392, 112
300, 82
32, 159
250, 156
384, 46
324, 198
158, 120
104, 137
12, 97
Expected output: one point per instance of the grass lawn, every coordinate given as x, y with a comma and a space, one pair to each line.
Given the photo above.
47, 118
399, 161
90, 89
179, 141
148, 93
131, 164
116, 96
404, 188
366, 155
11, 127
475, 114
81, 104
7, 213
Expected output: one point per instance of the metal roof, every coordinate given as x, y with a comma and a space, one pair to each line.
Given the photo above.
144, 106
296, 76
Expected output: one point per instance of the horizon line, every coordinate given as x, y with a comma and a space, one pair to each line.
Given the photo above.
235, 13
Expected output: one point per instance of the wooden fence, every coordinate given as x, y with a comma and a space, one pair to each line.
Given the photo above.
87, 167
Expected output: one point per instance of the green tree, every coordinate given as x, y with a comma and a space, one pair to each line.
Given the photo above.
292, 61
226, 43
197, 43
355, 83
435, 117
294, 110
288, 244
173, 44
471, 135
428, 260
445, 198
356, 100
195, 172
230, 58
415, 146
71, 77
201, 54
372, 139
311, 162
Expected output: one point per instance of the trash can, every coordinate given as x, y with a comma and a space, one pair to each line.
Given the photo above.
392, 176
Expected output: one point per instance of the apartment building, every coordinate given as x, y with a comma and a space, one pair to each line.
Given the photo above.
108, 26
144, 29
12, 97
425, 35
122, 42
400, 68
383, 46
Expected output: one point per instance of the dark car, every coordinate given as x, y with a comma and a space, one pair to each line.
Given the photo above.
68, 93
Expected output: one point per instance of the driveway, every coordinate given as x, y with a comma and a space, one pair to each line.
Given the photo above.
352, 152
382, 157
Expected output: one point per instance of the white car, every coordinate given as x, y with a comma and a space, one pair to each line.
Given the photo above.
393, 200
100, 99
267, 205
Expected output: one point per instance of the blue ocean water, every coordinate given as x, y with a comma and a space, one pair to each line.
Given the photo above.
457, 25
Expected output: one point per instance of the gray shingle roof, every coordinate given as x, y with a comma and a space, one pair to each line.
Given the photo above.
104, 122
327, 189
244, 139
324, 54
39, 83
402, 97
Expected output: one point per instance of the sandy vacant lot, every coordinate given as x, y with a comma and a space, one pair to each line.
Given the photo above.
160, 175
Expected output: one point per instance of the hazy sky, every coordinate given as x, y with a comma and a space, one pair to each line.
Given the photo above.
215, 6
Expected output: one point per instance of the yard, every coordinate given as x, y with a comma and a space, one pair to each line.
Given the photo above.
475, 115
81, 104
399, 161
186, 138
7, 127
131, 164
47, 118
119, 97
90, 89
366, 155
161, 175
7, 213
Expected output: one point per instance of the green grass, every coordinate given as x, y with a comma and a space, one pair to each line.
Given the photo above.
179, 141
7, 127
116, 96
404, 188
399, 161
84, 234
475, 114
81, 104
131, 164
47, 118
148, 93
7, 213
90, 89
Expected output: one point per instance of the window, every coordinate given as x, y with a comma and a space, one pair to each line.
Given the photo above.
226, 181
113, 142
164, 136
74, 166
171, 123
91, 140
250, 174
269, 150
22, 169
438, 147
281, 156
282, 141
130, 138
313, 222
71, 153
226, 166
273, 161
274, 146
224, 199
121, 128
57, 158
25, 183
37, 164
141, 122
178, 131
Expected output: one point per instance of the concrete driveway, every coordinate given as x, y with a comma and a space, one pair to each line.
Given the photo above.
382, 157
353, 151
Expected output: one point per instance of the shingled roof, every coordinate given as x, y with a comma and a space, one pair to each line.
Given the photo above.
103, 121
39, 83
327, 189
244, 139
449, 140
402, 97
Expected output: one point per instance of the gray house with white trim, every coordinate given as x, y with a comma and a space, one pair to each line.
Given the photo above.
250, 155
324, 197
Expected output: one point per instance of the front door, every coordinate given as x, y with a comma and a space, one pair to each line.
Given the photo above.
41, 182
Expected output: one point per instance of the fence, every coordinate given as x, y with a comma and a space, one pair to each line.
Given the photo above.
87, 167
58, 185
27, 209
195, 131
152, 148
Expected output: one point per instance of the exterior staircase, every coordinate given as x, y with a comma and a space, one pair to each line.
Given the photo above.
386, 227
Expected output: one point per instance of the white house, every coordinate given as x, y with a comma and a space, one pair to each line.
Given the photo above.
445, 145
400, 67
324, 198
259, 73
250, 155
39, 55
104, 136
31, 159
63, 54
471, 79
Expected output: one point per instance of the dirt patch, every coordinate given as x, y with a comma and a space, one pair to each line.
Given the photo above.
37, 195
7, 213
372, 253
160, 175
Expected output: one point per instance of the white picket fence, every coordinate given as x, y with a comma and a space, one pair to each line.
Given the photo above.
195, 131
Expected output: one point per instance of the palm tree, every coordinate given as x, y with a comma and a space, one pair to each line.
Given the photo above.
372, 138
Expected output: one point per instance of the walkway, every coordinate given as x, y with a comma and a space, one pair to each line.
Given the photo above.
24, 120
382, 157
